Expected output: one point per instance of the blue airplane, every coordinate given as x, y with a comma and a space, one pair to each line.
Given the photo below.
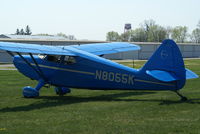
82, 66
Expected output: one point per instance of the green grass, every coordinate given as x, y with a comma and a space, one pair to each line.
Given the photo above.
98, 112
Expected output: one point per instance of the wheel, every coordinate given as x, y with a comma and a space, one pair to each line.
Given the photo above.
62, 90
29, 92
184, 98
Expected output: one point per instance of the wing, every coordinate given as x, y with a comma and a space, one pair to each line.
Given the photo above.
106, 48
34, 48
97, 48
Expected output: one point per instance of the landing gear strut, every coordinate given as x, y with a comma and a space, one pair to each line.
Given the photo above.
183, 98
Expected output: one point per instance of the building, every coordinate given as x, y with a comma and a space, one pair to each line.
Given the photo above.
147, 48
34, 37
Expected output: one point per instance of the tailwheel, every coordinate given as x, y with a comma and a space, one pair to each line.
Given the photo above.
62, 90
183, 98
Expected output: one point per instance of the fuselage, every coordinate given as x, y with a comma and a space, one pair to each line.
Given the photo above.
89, 71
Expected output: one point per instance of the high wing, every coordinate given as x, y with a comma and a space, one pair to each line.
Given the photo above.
106, 48
97, 48
34, 48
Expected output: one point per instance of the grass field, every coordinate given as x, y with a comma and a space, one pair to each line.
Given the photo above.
98, 112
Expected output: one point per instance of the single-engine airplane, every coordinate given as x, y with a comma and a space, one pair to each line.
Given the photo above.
82, 66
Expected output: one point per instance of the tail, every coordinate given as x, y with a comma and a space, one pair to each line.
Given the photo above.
167, 65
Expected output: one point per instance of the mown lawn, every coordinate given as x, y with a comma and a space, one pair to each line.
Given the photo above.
98, 112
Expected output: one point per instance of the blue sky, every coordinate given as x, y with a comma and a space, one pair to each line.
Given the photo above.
92, 19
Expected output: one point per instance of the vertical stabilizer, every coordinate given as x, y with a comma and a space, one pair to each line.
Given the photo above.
168, 58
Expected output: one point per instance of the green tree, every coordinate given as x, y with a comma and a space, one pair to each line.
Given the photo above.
154, 32
179, 33
195, 36
22, 32
147, 24
17, 32
198, 25
28, 31
161, 33
168, 32
62, 35
112, 36
138, 35
126, 36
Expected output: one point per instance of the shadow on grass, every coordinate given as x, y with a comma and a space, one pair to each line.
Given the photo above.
189, 101
52, 101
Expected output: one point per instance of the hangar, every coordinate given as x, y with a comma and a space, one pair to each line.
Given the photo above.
49, 37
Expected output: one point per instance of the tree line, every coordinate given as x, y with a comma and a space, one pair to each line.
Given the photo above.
27, 31
149, 31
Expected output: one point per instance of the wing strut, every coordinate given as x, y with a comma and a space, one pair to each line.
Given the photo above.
10, 53
38, 72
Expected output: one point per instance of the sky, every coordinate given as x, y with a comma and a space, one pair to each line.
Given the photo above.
92, 19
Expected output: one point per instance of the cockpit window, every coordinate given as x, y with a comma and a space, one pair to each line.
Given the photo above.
69, 60
59, 59
54, 58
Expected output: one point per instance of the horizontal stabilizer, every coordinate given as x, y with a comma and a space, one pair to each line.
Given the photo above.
190, 74
162, 75
167, 76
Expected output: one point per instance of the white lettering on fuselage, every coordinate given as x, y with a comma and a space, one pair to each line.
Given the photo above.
114, 77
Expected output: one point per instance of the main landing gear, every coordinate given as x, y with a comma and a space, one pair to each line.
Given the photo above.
29, 92
62, 90
183, 98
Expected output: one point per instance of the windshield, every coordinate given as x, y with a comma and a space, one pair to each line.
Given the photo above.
42, 56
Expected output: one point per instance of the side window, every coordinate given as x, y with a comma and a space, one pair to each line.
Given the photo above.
69, 60
60, 59
54, 58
